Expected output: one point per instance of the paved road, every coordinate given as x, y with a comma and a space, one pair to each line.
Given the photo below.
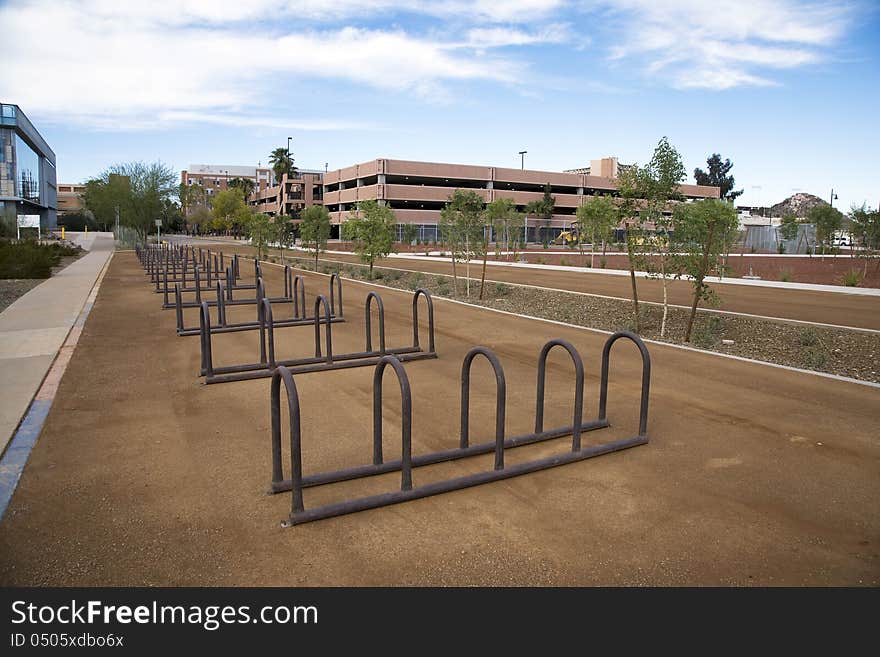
754, 475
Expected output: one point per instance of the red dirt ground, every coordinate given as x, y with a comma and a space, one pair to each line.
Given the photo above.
754, 475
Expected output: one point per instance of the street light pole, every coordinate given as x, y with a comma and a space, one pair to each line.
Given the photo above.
522, 159
833, 197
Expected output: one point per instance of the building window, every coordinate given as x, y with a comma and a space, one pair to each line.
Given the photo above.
27, 175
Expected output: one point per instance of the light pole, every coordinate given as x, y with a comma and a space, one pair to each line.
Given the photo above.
833, 197
522, 159
288, 155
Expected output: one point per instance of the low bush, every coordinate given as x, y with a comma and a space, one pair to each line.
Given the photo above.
31, 259
815, 358
808, 337
785, 276
501, 289
708, 333
852, 278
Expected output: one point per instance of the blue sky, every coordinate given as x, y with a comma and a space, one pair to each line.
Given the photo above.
787, 90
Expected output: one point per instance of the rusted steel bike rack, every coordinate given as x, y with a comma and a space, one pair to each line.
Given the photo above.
297, 481
231, 284
321, 361
229, 287
299, 317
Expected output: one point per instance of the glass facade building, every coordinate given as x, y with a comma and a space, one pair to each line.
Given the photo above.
27, 170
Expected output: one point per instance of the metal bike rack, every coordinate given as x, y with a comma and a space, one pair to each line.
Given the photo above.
230, 285
321, 361
299, 317
297, 481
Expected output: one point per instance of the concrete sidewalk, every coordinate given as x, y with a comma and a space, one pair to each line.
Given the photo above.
33, 329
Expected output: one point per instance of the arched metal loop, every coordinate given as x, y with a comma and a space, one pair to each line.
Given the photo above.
283, 374
577, 421
646, 377
205, 334
500, 401
415, 315
336, 311
320, 301
373, 296
405, 418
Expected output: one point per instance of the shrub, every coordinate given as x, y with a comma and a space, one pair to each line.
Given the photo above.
502, 289
852, 278
31, 259
780, 248
785, 276
808, 337
540, 260
708, 333
564, 262
602, 262
815, 358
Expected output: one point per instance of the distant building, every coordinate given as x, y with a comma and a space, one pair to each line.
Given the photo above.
417, 191
291, 195
70, 198
27, 169
270, 196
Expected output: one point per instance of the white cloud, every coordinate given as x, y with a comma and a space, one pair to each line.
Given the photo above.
499, 37
726, 43
102, 64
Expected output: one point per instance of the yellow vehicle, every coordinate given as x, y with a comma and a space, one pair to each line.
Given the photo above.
567, 237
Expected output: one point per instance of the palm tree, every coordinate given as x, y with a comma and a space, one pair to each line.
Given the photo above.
246, 185
281, 163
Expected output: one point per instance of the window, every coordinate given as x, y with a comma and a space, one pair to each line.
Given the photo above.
27, 174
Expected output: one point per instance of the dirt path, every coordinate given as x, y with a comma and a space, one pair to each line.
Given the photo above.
754, 475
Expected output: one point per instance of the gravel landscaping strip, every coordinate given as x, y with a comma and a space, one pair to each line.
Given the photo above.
842, 352
12, 288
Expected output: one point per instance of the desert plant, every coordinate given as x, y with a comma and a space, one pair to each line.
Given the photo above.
852, 278
815, 358
708, 334
785, 276
808, 337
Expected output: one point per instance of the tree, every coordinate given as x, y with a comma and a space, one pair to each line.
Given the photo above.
372, 233
260, 229
646, 193
284, 233
137, 191
191, 196
597, 218
281, 163
865, 226
542, 209
246, 185
461, 224
506, 223
631, 186
315, 229
717, 176
828, 221
699, 235
410, 232
788, 229
661, 180
229, 210
200, 217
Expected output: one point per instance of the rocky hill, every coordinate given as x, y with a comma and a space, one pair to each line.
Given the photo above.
799, 205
